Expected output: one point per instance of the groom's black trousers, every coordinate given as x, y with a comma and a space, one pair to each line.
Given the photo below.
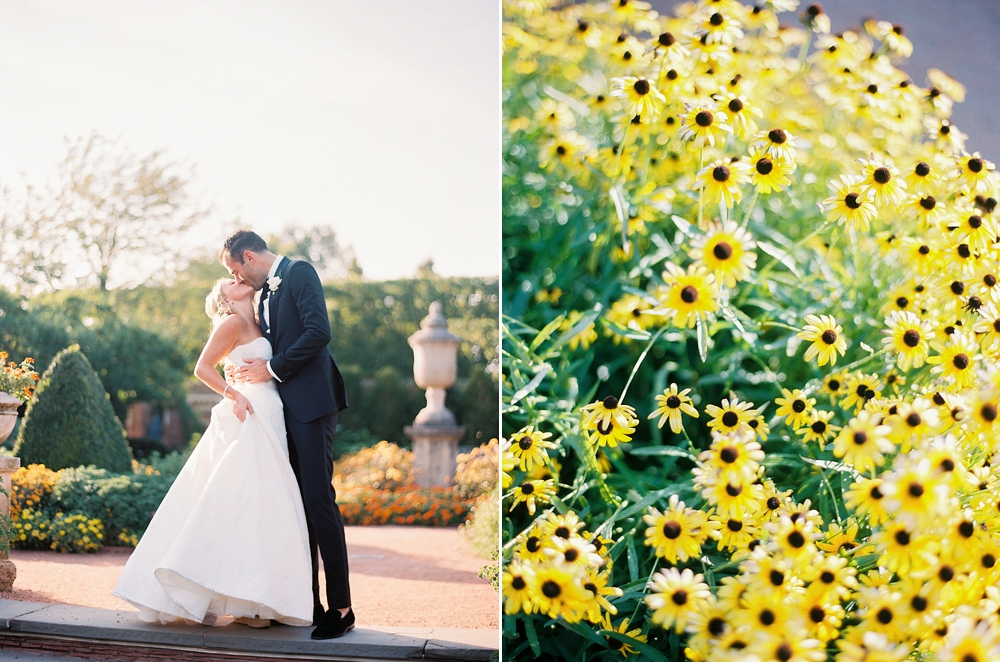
310, 451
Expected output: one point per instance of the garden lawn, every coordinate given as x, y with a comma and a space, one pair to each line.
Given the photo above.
400, 575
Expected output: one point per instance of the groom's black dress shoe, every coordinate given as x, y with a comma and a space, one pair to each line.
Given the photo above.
334, 625
318, 613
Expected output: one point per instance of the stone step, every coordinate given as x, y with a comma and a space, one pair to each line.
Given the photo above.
120, 635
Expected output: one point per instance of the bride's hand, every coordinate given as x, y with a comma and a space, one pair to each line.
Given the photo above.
241, 406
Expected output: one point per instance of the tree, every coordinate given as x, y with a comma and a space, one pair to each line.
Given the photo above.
70, 422
127, 215
318, 246
29, 255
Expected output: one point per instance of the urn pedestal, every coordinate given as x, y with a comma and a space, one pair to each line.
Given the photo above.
434, 432
8, 465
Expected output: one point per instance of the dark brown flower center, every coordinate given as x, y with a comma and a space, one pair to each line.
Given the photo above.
913, 419
672, 530
777, 577
860, 438
610, 402
527, 488
641, 87
716, 626
911, 337
716, 19
976, 164
704, 119
961, 361
777, 136
928, 203
884, 616
989, 412
816, 614
915, 490
882, 175
798, 406
722, 251
922, 169
550, 589
729, 454
975, 222
730, 419
966, 529
829, 336
766, 617
764, 166
525, 442
773, 503
680, 597
666, 39
689, 294
562, 532
734, 490
735, 105
720, 174
784, 652
734, 525
819, 427
796, 539
518, 583
902, 538
851, 200
957, 287
919, 603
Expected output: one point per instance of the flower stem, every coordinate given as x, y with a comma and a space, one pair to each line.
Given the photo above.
753, 202
642, 357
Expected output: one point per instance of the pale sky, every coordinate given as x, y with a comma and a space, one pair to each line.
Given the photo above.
379, 118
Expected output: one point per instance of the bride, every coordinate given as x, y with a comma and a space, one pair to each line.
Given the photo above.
229, 541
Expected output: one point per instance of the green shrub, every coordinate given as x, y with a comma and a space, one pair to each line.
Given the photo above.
76, 533
483, 533
125, 503
476, 471
71, 421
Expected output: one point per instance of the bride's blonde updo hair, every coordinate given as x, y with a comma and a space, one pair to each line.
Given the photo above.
217, 306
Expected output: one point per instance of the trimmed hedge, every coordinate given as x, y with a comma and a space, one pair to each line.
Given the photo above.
71, 422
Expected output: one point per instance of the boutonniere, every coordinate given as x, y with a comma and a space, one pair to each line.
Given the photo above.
273, 282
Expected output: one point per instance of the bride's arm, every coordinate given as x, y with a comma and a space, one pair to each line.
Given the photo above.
224, 337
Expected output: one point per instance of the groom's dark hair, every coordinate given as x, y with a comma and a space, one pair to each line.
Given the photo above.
242, 240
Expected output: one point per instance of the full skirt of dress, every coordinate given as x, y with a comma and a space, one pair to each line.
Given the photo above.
230, 536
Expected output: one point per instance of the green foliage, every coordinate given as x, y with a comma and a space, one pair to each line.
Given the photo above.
71, 421
76, 533
124, 502
483, 527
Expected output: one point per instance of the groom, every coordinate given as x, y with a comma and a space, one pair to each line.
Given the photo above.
293, 317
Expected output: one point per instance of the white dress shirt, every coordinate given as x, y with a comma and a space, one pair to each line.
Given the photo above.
267, 312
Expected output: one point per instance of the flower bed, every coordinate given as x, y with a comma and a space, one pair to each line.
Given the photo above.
750, 379
426, 506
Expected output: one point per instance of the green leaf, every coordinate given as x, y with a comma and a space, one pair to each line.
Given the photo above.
702, 329
779, 255
834, 466
647, 651
661, 450
546, 332
579, 327
633, 560
624, 331
529, 628
543, 370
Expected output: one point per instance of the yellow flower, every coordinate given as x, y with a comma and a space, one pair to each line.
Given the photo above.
704, 123
956, 361
908, 338
639, 96
615, 643
529, 447
795, 407
731, 416
516, 591
531, 491
670, 405
557, 591
849, 205
689, 294
864, 442
882, 182
721, 181
826, 337
776, 143
677, 533
975, 172
770, 173
674, 595
724, 250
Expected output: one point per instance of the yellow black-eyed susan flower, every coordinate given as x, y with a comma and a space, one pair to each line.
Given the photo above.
516, 588
677, 533
795, 407
908, 337
863, 443
725, 250
671, 405
956, 360
731, 416
530, 447
688, 294
721, 181
827, 338
639, 96
674, 595
849, 206
703, 123
531, 491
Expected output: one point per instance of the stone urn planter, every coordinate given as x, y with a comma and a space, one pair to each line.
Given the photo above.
8, 414
8, 465
434, 431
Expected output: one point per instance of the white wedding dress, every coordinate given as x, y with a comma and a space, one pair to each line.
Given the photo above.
229, 538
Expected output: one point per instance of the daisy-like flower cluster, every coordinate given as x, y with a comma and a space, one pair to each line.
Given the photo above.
783, 250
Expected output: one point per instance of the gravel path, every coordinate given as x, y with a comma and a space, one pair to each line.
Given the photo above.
400, 575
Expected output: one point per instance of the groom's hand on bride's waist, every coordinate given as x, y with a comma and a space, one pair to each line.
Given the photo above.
253, 371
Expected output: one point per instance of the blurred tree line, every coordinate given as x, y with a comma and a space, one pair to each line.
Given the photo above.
100, 259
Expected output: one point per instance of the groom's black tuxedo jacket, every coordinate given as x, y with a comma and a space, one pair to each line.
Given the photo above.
310, 383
